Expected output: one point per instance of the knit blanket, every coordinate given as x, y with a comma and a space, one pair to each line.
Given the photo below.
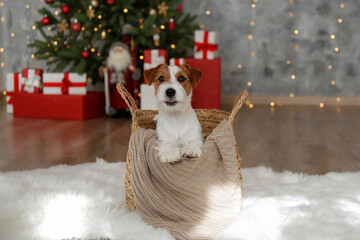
193, 199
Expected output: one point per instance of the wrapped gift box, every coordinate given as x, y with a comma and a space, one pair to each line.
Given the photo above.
206, 44
13, 85
206, 94
154, 57
64, 83
66, 107
177, 61
148, 99
31, 80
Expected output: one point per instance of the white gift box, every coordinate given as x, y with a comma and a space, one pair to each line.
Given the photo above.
148, 99
154, 57
206, 44
13, 84
176, 61
64, 83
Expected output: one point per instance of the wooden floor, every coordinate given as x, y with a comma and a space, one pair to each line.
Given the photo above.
297, 138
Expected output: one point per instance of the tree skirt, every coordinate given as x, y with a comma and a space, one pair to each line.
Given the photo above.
87, 201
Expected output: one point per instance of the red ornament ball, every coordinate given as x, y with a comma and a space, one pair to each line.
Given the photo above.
65, 9
110, 2
179, 9
49, 1
85, 54
45, 21
75, 27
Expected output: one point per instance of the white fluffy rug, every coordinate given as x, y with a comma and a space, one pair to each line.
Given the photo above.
87, 201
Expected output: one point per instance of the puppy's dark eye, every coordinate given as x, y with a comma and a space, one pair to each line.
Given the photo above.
161, 78
181, 79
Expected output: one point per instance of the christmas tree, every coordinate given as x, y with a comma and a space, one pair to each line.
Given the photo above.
78, 34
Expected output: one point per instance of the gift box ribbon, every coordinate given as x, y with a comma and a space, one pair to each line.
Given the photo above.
65, 84
32, 79
16, 88
177, 61
205, 46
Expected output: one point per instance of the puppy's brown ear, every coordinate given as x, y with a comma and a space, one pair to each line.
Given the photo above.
149, 74
195, 74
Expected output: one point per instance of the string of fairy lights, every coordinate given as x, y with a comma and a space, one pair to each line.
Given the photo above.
253, 5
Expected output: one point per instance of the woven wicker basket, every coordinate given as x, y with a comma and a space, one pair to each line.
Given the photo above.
209, 119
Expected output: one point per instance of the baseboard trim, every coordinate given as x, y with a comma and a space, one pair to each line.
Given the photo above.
297, 100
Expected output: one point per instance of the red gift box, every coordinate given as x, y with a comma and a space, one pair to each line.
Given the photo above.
67, 107
206, 94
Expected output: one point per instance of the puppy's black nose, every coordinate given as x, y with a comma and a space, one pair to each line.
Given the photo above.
170, 92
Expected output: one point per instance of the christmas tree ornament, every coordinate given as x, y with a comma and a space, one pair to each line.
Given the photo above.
152, 12
49, 1
171, 24
65, 9
163, 8
103, 34
62, 26
45, 20
126, 28
95, 3
180, 8
110, 2
75, 26
66, 44
85, 54
156, 39
90, 13
156, 29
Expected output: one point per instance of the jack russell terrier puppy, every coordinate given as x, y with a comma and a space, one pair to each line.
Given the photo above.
178, 128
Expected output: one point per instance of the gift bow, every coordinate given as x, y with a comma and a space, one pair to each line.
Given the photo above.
30, 83
205, 46
65, 84
31, 80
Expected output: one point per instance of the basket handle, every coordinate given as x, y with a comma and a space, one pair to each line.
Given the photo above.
127, 98
237, 105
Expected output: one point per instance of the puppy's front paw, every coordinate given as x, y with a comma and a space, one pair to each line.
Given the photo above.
169, 153
190, 152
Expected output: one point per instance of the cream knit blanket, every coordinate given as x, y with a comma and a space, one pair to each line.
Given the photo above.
194, 199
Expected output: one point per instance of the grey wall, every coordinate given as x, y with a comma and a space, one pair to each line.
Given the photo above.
273, 43
16, 18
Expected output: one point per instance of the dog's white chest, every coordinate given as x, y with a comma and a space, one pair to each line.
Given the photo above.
179, 128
